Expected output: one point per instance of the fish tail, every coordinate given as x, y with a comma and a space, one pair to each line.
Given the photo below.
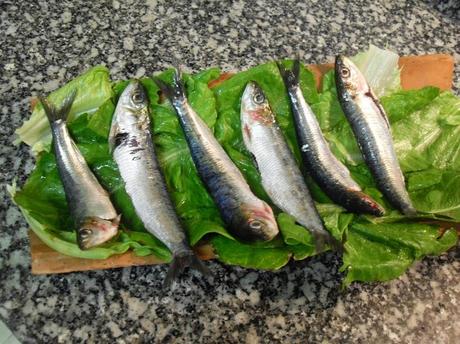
53, 113
296, 69
175, 91
323, 239
290, 76
409, 210
178, 265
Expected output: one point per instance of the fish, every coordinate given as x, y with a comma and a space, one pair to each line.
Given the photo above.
132, 147
372, 131
281, 177
247, 217
332, 176
95, 217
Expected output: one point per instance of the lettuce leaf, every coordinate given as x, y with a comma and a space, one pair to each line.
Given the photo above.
43, 194
380, 68
426, 136
425, 126
383, 252
93, 89
267, 256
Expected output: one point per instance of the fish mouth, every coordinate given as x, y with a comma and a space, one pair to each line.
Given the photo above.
254, 105
340, 66
360, 202
95, 231
134, 97
373, 207
253, 95
343, 61
349, 76
339, 59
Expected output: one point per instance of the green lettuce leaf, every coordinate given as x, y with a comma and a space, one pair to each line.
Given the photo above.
43, 194
383, 252
426, 136
380, 68
268, 256
425, 125
93, 89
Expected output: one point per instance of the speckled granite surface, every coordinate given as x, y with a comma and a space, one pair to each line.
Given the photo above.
43, 44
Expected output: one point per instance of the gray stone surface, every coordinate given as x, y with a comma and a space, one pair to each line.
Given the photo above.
45, 43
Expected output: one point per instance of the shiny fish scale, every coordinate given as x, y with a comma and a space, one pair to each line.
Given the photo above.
281, 177
144, 182
328, 172
211, 160
372, 130
223, 179
316, 152
246, 216
85, 196
374, 140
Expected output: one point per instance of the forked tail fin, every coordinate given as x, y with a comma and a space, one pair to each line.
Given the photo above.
176, 91
290, 76
323, 238
178, 265
53, 113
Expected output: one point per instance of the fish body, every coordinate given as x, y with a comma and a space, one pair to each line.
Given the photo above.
281, 177
328, 172
133, 150
246, 216
95, 217
371, 128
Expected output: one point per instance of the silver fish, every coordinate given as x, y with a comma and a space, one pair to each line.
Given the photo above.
247, 217
95, 217
327, 171
133, 150
281, 177
372, 130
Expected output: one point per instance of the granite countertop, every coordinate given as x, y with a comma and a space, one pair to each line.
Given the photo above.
45, 43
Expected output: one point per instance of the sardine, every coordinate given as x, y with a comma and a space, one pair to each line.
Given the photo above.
372, 130
326, 170
130, 141
246, 216
96, 219
281, 177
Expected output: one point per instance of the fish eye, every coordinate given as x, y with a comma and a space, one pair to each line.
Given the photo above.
259, 98
85, 232
137, 97
345, 72
255, 224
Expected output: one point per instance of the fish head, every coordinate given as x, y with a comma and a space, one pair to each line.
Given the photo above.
257, 223
366, 204
254, 106
132, 110
349, 77
95, 231
134, 97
